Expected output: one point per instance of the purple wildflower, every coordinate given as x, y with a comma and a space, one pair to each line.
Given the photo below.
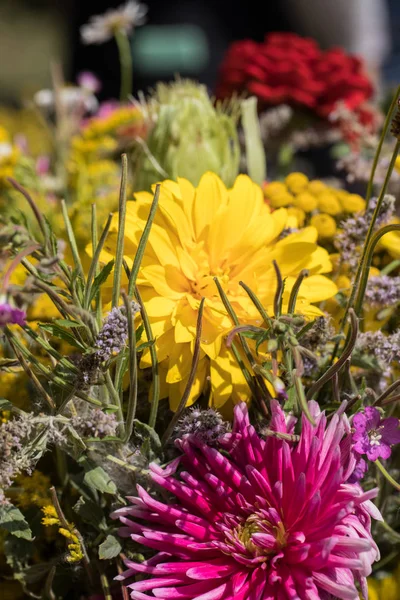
374, 436
383, 291
114, 333
11, 316
262, 519
207, 425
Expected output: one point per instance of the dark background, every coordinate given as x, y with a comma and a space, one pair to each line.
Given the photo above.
38, 31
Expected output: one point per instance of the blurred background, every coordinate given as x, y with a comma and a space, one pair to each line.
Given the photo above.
182, 36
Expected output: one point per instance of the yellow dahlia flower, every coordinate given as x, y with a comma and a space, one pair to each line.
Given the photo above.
206, 232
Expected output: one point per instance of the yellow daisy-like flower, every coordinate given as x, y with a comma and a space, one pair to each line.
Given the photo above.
387, 588
206, 232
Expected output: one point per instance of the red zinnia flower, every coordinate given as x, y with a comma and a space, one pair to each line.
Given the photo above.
261, 520
287, 68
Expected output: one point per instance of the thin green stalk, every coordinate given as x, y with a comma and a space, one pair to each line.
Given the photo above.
391, 267
31, 374
387, 475
35, 210
155, 396
379, 148
115, 396
72, 240
295, 290
255, 154
361, 263
121, 232
125, 59
392, 388
257, 304
192, 375
228, 307
95, 261
335, 368
367, 265
279, 290
132, 367
99, 314
142, 243
370, 232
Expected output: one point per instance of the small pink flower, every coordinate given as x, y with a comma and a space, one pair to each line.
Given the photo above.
374, 436
258, 519
89, 81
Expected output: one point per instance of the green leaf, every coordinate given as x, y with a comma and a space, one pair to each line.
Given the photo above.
5, 404
96, 478
9, 362
13, 521
101, 278
67, 323
59, 332
145, 345
139, 332
90, 513
110, 548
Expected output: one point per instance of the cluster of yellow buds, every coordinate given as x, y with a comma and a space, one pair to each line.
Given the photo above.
313, 202
50, 518
34, 490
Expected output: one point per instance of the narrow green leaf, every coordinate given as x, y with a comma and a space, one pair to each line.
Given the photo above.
100, 279
67, 323
119, 255
63, 334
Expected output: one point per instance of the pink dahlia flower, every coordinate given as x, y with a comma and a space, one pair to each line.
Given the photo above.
257, 520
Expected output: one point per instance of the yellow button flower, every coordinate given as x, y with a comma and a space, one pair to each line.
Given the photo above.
328, 203
275, 188
298, 213
306, 201
206, 232
317, 187
351, 203
296, 182
325, 225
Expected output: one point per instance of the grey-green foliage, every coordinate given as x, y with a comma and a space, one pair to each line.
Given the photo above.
188, 136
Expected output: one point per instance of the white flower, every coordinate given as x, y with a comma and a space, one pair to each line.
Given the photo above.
71, 97
102, 28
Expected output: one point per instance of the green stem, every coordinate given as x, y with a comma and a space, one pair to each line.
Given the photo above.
72, 240
142, 243
361, 263
255, 155
379, 148
115, 396
95, 261
121, 233
387, 475
96, 271
367, 264
132, 367
155, 397
192, 375
390, 267
125, 59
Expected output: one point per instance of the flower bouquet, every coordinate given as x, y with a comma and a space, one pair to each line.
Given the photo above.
199, 365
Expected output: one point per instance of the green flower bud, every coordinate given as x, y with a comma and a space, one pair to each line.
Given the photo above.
188, 136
